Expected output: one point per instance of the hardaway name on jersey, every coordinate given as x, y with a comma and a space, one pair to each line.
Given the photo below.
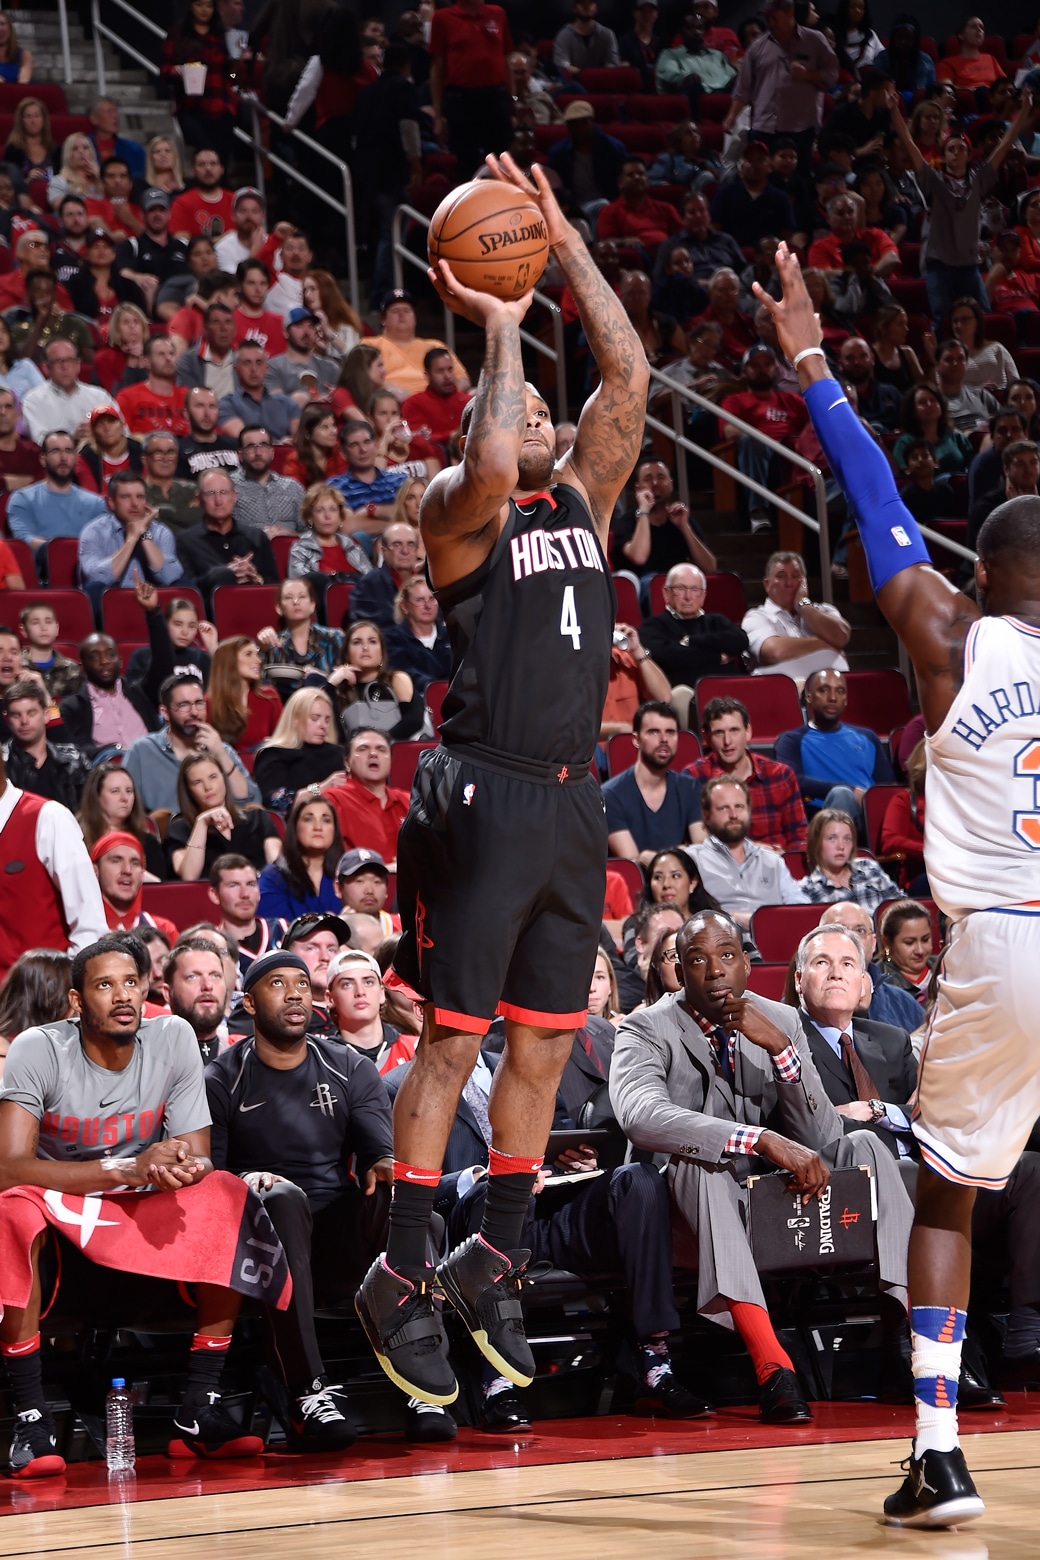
982, 821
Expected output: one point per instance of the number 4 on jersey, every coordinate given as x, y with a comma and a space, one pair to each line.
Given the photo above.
569, 625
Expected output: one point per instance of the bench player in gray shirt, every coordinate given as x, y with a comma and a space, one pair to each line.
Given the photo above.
102, 1102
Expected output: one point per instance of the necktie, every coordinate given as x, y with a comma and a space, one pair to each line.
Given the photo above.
585, 1041
866, 1088
722, 1054
476, 1099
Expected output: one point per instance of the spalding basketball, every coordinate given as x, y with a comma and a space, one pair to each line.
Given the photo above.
492, 236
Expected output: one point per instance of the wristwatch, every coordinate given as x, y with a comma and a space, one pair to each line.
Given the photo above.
877, 1110
370, 509
806, 601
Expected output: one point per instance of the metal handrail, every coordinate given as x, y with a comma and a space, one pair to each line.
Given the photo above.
555, 353
66, 50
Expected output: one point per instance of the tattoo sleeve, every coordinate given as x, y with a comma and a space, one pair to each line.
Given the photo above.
474, 492
610, 430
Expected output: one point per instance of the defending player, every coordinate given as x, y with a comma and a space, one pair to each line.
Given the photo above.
501, 859
978, 676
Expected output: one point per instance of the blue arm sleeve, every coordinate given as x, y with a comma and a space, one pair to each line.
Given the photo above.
887, 529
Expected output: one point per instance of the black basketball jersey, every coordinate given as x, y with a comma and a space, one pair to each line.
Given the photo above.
530, 635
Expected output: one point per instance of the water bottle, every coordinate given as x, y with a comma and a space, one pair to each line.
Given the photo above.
119, 1426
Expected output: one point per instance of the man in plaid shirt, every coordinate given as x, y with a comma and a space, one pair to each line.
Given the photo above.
777, 810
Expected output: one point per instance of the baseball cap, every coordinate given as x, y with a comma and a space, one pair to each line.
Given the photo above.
396, 295
248, 191
94, 233
279, 959
361, 860
753, 350
580, 109
347, 956
756, 146
296, 315
106, 409
154, 197
308, 925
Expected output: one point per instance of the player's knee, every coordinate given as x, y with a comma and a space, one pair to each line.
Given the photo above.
941, 1204
538, 1055
444, 1050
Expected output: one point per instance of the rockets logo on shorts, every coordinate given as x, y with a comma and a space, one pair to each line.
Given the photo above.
572, 547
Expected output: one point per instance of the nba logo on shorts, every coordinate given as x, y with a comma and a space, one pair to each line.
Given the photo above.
468, 793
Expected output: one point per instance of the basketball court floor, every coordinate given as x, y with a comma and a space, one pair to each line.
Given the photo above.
581, 1489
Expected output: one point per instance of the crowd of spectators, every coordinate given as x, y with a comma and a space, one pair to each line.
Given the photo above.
200, 433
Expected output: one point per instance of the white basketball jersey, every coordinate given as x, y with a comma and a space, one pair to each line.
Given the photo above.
982, 820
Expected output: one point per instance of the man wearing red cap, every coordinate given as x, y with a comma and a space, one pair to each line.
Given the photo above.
118, 860
42, 905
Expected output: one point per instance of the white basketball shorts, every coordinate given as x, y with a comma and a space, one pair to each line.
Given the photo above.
979, 1081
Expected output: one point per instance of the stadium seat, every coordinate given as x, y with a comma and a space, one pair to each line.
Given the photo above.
910, 293
337, 603
50, 94
725, 594
656, 593
772, 703
546, 136
794, 860
638, 138
632, 873
714, 106
244, 609
23, 556
1029, 324
72, 608
628, 608
1021, 44
651, 108
181, 903
63, 563
768, 980
404, 756
435, 692
878, 699
611, 78
875, 805
1028, 360
1002, 328
778, 929
123, 618
621, 752
280, 546
910, 259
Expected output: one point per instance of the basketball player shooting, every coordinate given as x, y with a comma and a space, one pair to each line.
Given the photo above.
978, 676
501, 858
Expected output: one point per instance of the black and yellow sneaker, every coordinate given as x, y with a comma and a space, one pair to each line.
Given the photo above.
484, 1287
405, 1331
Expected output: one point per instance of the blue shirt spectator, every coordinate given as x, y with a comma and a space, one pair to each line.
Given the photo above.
835, 763
103, 538
381, 490
278, 899
670, 825
53, 507
277, 413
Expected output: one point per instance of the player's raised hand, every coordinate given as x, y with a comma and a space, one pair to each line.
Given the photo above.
477, 307
796, 321
536, 187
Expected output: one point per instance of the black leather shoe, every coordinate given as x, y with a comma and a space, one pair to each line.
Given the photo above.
1020, 1375
504, 1413
780, 1400
673, 1399
976, 1395
937, 1492
426, 1422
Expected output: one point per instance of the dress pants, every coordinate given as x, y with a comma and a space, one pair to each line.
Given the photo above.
1011, 1219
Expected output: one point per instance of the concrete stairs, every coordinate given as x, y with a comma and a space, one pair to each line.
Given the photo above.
142, 113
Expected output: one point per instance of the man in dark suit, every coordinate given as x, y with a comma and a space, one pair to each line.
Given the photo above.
613, 1220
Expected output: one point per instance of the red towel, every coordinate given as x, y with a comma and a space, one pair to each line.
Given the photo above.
214, 1233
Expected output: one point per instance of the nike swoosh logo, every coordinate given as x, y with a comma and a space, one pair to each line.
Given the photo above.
105, 1104
188, 1429
257, 1106
410, 1177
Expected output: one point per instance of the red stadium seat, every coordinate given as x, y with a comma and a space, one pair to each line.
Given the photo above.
878, 699
181, 903
778, 929
714, 106
435, 692
244, 609
910, 293
642, 139
1002, 328
280, 546
1021, 44
611, 78
875, 805
651, 108
337, 603
725, 594
768, 980
63, 562
930, 47
404, 756
621, 752
62, 125
122, 617
656, 593
794, 860
632, 873
1029, 324
772, 703
50, 94
910, 259
628, 608
546, 136
1028, 360
23, 557
72, 608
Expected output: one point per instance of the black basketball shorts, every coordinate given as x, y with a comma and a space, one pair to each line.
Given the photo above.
500, 886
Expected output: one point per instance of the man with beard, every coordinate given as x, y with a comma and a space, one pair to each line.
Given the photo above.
738, 873
649, 806
154, 760
193, 980
103, 1102
234, 889
501, 858
290, 1113
118, 860
55, 506
316, 939
204, 448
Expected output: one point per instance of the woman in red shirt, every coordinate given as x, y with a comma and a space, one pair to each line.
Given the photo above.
122, 362
241, 708
902, 828
326, 548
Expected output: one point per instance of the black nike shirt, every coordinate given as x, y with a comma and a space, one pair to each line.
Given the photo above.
310, 1123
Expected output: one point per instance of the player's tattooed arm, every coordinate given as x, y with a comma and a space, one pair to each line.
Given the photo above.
610, 428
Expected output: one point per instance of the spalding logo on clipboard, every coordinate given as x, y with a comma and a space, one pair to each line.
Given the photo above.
835, 1229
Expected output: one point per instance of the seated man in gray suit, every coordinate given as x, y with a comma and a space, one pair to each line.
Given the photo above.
868, 1069
725, 1084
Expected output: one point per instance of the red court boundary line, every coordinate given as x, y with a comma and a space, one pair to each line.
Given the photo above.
550, 1443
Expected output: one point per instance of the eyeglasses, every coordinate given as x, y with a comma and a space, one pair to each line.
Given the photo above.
671, 957
258, 444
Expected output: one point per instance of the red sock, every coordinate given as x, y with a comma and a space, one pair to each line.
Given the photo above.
753, 1324
219, 1344
415, 1175
513, 1164
26, 1346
